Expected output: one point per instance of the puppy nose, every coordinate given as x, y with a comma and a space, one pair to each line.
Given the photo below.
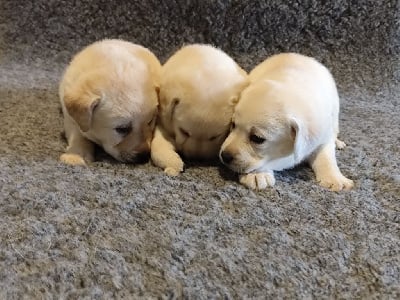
226, 157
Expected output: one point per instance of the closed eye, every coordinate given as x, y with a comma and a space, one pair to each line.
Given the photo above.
256, 139
184, 132
214, 137
124, 130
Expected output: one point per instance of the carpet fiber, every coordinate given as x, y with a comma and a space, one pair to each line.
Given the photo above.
125, 231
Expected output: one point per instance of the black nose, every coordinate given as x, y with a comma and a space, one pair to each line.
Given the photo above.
226, 157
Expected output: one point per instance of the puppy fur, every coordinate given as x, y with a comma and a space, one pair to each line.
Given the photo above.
289, 113
109, 96
200, 86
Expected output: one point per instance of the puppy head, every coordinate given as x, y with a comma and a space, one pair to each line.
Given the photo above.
263, 131
197, 117
116, 110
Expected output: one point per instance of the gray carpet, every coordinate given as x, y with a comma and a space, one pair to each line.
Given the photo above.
127, 231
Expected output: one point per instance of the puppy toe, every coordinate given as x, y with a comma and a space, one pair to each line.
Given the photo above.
348, 184
261, 182
337, 183
257, 181
170, 161
340, 144
270, 178
72, 159
248, 180
171, 171
175, 167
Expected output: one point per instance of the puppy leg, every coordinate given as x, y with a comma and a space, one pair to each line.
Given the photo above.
257, 181
324, 164
79, 151
163, 154
339, 144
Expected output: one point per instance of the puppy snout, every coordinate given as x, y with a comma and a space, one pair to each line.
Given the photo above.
226, 157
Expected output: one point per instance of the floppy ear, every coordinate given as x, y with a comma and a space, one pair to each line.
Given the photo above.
157, 88
239, 88
300, 139
81, 109
174, 103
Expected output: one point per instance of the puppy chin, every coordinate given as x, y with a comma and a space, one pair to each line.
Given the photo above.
199, 155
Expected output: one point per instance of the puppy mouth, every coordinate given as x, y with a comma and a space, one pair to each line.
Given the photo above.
230, 161
237, 166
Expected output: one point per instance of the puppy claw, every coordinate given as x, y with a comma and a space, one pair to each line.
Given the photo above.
257, 181
336, 183
72, 159
340, 144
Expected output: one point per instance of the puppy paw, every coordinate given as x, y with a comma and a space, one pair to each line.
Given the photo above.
175, 165
336, 182
72, 159
340, 144
257, 181
172, 171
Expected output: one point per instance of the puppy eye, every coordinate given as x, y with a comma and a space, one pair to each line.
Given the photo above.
256, 139
124, 130
184, 132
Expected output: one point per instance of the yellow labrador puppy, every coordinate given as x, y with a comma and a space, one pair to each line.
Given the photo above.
288, 114
200, 86
109, 97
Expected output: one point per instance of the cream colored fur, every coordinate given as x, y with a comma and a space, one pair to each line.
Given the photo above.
199, 87
288, 114
109, 97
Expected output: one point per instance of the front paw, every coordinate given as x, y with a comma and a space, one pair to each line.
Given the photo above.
174, 165
340, 145
336, 182
72, 159
257, 181
170, 171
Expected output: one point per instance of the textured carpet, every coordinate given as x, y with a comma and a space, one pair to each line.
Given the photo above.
127, 231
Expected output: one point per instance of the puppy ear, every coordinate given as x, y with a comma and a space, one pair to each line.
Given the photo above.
172, 107
81, 109
300, 139
239, 88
